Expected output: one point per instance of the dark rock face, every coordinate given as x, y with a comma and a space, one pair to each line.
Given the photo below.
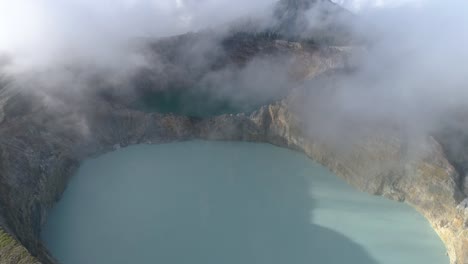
291, 15
454, 138
320, 21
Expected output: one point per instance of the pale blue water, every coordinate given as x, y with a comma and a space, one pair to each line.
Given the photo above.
228, 203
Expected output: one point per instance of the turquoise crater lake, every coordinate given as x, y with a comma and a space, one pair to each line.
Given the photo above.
228, 203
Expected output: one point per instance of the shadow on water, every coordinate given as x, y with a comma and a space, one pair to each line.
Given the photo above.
263, 221
239, 210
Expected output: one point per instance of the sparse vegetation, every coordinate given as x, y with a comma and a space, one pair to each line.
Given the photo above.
12, 252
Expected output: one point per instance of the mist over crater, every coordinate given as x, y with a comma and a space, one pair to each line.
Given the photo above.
373, 90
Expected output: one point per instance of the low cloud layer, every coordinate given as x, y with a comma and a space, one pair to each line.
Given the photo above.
42, 32
415, 65
361, 5
411, 67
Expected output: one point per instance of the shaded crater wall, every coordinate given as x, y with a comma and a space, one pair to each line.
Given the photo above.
37, 159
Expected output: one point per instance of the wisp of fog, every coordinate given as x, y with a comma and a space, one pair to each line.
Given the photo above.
408, 65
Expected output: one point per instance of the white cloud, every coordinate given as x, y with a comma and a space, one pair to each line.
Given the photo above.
36, 31
360, 5
21, 21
